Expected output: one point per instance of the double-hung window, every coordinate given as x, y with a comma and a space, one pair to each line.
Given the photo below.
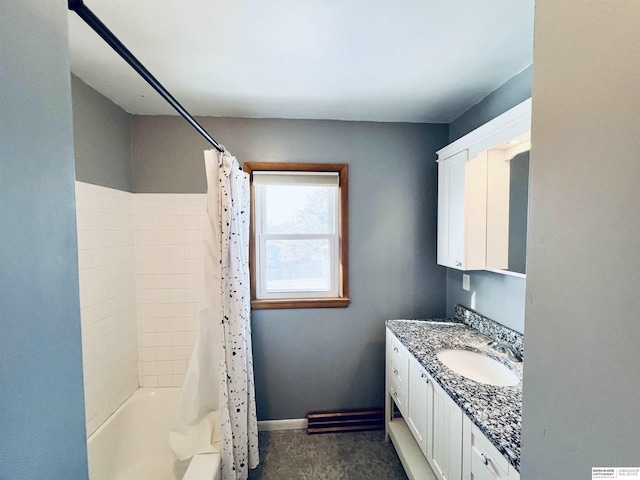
298, 235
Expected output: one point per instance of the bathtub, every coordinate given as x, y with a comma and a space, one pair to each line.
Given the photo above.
133, 444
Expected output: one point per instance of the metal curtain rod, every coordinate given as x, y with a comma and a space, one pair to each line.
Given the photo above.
100, 28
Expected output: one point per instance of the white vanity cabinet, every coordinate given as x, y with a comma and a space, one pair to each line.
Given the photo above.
434, 439
426, 430
462, 207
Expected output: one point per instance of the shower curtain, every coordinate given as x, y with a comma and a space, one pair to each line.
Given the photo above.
217, 411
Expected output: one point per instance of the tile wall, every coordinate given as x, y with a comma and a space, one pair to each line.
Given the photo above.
107, 299
167, 240
139, 270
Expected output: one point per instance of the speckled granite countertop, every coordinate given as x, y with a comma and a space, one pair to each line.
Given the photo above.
497, 411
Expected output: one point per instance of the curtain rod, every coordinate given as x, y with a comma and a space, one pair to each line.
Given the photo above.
100, 28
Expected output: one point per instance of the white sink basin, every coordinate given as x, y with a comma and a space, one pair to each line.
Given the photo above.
478, 367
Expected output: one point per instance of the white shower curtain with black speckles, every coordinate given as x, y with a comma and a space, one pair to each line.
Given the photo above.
217, 411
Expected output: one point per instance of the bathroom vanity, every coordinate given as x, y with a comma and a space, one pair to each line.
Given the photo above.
444, 423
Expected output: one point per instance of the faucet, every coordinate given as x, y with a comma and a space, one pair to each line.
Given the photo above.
503, 347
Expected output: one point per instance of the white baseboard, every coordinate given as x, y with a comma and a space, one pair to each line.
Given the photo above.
286, 424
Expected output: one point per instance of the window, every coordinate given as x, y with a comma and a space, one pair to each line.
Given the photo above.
298, 235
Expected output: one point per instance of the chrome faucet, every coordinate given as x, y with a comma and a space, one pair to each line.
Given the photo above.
503, 347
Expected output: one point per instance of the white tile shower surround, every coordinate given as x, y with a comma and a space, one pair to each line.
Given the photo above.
139, 271
107, 299
167, 237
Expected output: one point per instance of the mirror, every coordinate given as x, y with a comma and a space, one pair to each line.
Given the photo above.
507, 206
518, 212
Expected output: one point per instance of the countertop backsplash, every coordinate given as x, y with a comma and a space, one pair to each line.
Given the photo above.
490, 328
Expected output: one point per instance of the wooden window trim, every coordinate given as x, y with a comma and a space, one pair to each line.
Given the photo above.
343, 288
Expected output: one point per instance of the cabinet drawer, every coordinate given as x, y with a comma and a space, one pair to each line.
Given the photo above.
398, 395
399, 356
397, 371
398, 361
487, 463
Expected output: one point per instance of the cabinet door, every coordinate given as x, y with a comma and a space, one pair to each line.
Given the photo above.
451, 210
419, 405
446, 452
462, 211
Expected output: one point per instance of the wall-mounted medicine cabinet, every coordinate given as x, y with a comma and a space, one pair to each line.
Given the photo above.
483, 181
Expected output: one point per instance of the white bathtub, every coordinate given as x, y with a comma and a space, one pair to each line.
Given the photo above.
133, 444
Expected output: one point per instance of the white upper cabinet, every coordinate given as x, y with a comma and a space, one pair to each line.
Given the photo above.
473, 192
462, 206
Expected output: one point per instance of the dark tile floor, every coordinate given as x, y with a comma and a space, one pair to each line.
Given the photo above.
294, 455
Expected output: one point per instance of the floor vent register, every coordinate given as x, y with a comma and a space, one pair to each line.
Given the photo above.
345, 421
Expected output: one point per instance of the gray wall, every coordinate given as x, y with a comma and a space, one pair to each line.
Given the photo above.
102, 138
42, 433
496, 296
321, 359
511, 93
581, 386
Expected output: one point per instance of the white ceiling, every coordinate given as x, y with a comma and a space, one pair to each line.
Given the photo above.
378, 60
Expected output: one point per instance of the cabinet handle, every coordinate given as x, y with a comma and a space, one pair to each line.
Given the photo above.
424, 375
395, 371
395, 394
458, 264
485, 459
395, 349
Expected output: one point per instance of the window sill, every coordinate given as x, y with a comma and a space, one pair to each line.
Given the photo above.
259, 304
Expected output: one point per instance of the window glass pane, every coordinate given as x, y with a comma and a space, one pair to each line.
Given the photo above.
298, 209
298, 265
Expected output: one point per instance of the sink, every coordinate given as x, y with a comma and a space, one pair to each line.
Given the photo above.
478, 367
